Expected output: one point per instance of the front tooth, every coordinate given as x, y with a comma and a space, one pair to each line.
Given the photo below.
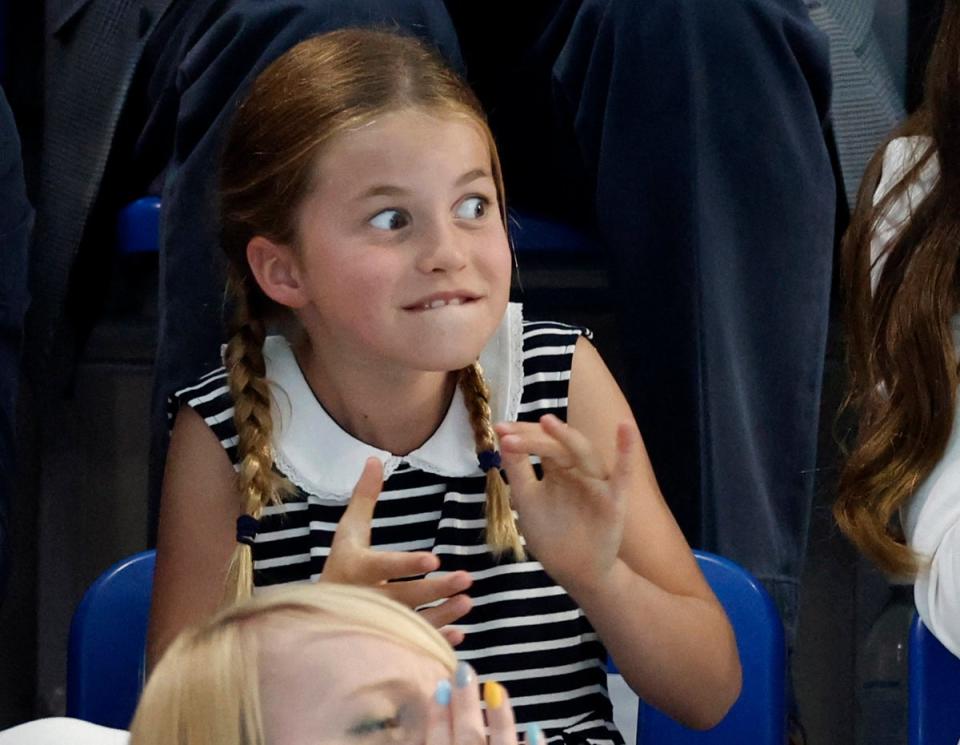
437, 303
455, 301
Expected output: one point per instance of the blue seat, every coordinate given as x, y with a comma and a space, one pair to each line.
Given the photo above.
759, 716
934, 703
105, 660
138, 226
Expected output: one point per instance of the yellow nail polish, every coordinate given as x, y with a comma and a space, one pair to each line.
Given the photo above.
493, 694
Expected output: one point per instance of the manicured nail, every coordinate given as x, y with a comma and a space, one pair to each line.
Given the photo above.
443, 693
534, 734
463, 675
493, 694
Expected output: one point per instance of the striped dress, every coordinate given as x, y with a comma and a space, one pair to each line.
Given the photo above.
524, 630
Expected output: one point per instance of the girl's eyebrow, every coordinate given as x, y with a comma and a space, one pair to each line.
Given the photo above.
476, 173
401, 685
390, 190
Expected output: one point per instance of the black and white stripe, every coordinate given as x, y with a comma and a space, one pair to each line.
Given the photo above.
523, 630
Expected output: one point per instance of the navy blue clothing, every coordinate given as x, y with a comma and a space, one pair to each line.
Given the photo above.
690, 133
16, 221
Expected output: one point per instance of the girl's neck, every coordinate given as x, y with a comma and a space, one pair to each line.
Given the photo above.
392, 411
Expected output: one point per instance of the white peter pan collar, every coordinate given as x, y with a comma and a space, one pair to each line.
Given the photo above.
321, 458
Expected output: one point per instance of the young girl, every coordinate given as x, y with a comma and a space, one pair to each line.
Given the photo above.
250, 676
373, 349
899, 492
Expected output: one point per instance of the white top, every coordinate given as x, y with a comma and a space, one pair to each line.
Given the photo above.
931, 520
450, 451
63, 731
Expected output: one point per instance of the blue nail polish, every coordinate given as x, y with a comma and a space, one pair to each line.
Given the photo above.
464, 674
443, 693
533, 734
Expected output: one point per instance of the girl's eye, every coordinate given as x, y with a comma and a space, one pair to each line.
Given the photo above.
390, 220
472, 208
375, 726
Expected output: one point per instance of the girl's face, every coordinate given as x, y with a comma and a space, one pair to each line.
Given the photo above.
403, 258
347, 689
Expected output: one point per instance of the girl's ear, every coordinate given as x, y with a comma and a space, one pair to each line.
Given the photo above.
275, 267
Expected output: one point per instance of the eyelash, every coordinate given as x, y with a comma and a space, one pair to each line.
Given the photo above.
370, 726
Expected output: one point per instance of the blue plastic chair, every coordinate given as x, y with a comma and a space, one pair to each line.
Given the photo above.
138, 226
759, 717
106, 660
934, 702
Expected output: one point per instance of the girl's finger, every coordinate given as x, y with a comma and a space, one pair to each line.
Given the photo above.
374, 567
465, 708
439, 729
520, 476
501, 725
628, 438
540, 444
420, 592
449, 611
453, 636
355, 522
575, 443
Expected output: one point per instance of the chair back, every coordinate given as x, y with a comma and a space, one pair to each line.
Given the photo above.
759, 715
934, 698
106, 656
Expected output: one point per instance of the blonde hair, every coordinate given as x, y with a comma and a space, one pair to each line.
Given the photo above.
205, 689
302, 101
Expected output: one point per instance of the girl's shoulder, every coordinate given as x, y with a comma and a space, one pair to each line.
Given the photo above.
209, 396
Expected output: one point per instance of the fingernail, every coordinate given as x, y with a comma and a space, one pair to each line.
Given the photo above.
443, 693
533, 734
493, 694
463, 675
503, 475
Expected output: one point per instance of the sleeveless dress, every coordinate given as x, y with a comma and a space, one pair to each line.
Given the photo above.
524, 630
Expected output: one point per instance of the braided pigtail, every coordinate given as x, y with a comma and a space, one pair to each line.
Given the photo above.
259, 485
502, 535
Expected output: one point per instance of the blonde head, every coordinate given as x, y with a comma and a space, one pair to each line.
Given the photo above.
205, 689
318, 90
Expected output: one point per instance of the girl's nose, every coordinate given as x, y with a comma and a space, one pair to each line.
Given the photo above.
441, 250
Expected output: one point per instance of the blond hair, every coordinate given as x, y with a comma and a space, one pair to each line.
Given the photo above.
205, 689
315, 91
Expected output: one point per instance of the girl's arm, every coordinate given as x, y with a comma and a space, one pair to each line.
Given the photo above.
601, 528
199, 507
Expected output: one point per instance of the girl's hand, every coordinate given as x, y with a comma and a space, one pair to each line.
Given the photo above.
352, 561
573, 518
457, 718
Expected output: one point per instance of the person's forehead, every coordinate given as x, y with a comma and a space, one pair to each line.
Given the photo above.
354, 655
395, 137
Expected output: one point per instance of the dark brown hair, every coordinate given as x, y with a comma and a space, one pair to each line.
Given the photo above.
902, 360
315, 91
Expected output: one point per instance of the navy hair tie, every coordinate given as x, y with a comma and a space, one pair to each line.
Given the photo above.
247, 527
488, 459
